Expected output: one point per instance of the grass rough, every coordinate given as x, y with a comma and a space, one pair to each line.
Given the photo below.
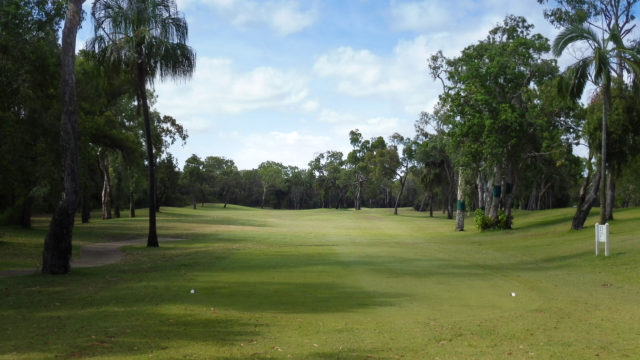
328, 284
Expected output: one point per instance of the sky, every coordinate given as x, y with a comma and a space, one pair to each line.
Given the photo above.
283, 80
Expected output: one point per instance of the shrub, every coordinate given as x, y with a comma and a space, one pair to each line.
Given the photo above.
483, 222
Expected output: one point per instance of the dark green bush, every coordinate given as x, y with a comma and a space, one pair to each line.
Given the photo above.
483, 222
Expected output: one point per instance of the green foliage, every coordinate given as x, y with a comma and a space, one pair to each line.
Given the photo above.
29, 106
483, 222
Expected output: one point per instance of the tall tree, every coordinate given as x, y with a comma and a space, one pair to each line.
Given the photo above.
30, 107
57, 245
406, 162
483, 105
194, 178
144, 38
596, 66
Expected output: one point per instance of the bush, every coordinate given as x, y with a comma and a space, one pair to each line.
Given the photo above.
483, 222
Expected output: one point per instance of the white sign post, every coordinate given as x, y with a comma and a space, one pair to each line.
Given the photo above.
602, 236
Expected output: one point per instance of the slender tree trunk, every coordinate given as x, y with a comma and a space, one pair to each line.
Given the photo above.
194, 203
431, 204
152, 239
586, 200
57, 244
86, 207
481, 191
611, 195
424, 198
402, 184
461, 208
264, 193
358, 192
116, 191
508, 199
603, 158
497, 193
103, 160
132, 204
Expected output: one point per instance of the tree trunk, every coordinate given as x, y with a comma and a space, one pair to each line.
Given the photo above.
132, 204
358, 194
402, 184
481, 191
431, 204
586, 201
424, 198
103, 160
611, 195
508, 199
86, 207
194, 203
603, 158
57, 245
461, 205
497, 193
116, 190
152, 239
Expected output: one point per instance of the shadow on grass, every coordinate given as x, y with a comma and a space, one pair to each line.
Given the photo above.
550, 221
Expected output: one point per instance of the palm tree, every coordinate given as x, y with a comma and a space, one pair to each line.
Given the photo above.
606, 54
144, 38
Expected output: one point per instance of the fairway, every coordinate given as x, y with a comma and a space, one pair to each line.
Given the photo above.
328, 284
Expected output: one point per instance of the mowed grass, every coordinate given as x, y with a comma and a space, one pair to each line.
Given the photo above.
329, 284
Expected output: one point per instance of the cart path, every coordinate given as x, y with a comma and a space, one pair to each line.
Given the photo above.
92, 255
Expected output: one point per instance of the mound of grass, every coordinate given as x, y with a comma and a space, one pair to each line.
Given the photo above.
325, 284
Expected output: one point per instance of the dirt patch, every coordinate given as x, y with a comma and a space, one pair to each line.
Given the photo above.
92, 255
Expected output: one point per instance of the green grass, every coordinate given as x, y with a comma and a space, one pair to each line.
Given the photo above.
327, 284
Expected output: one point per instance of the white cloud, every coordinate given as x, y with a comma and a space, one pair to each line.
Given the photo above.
290, 148
217, 88
401, 77
341, 123
285, 17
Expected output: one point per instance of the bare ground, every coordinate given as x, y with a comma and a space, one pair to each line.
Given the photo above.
98, 254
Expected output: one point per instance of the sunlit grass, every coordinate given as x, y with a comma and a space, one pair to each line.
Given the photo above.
329, 284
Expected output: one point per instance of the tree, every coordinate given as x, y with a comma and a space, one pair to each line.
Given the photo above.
193, 177
406, 162
597, 67
483, 106
57, 245
271, 176
144, 38
30, 108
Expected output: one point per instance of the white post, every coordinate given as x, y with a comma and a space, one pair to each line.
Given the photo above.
597, 239
602, 236
606, 242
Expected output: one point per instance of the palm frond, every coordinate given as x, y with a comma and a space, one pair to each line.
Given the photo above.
571, 35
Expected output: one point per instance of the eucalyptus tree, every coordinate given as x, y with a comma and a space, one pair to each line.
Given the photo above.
272, 175
193, 177
483, 105
406, 162
145, 38
57, 244
221, 176
357, 159
597, 66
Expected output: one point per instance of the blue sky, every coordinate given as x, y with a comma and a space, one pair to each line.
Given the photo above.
282, 80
